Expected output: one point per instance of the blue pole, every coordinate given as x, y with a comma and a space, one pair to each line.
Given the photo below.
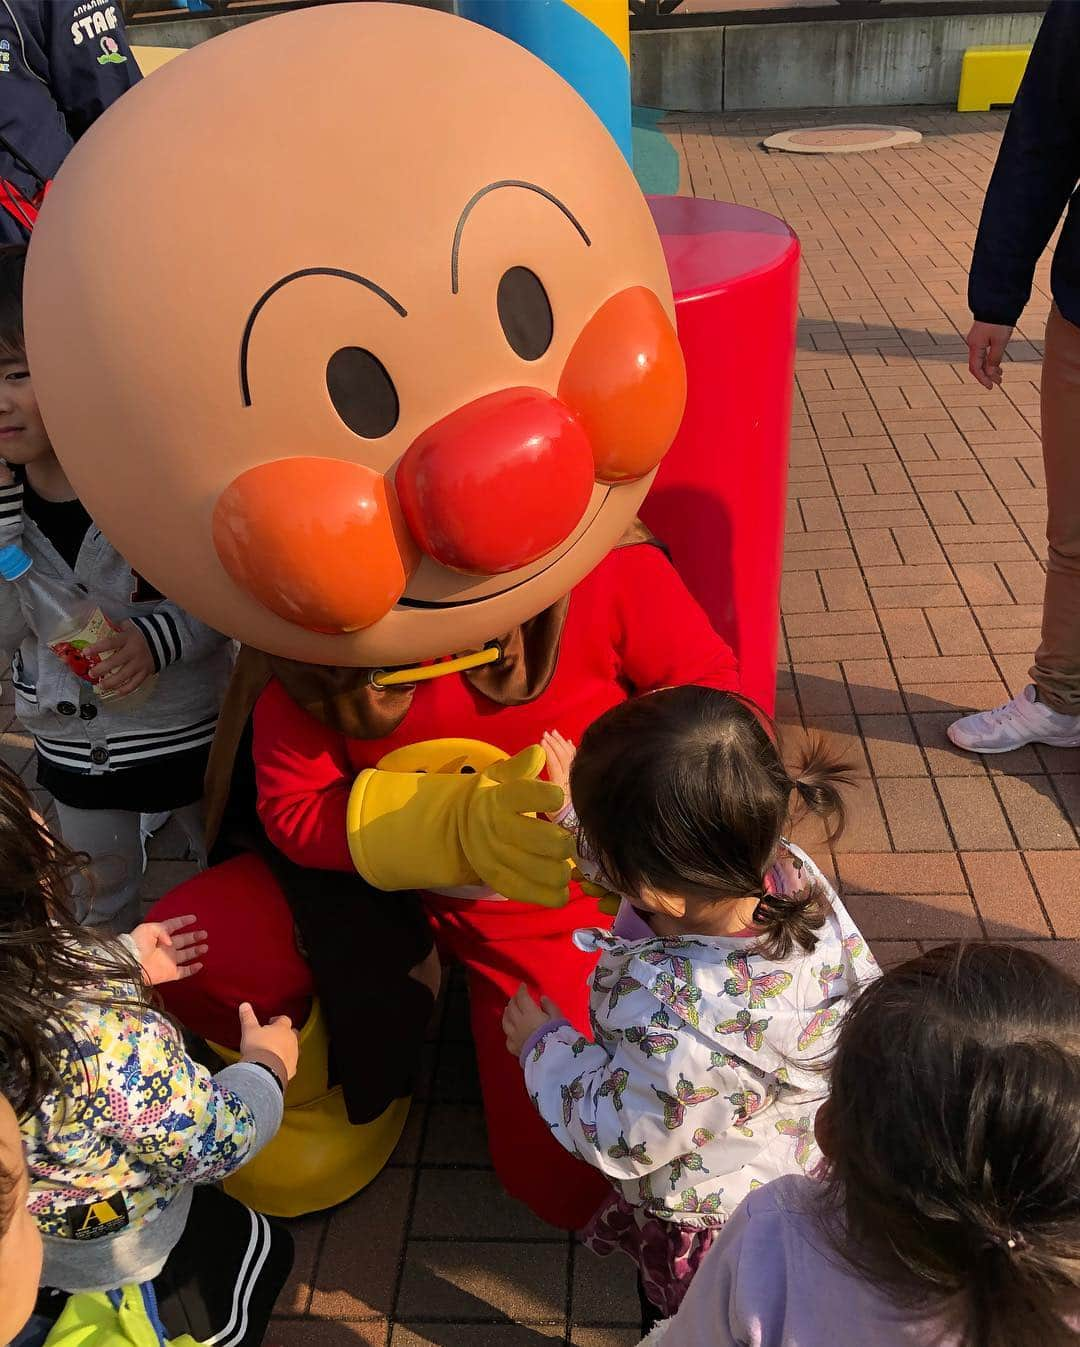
574, 46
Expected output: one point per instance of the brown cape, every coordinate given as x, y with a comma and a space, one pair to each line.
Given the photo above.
347, 700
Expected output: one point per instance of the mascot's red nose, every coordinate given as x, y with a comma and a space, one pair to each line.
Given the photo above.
497, 483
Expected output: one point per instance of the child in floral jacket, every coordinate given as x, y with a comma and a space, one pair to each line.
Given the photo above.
718, 991
124, 1133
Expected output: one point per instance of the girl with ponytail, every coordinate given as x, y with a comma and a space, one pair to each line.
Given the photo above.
720, 985
950, 1211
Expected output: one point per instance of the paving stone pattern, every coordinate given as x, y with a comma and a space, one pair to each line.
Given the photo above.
914, 553
912, 589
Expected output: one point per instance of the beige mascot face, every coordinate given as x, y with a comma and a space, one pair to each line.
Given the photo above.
353, 332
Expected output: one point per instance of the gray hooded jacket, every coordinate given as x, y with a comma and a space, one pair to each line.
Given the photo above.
71, 726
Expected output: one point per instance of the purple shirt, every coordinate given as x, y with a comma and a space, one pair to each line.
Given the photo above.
629, 924
772, 1280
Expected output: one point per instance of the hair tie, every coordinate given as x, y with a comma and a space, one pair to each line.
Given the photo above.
1009, 1242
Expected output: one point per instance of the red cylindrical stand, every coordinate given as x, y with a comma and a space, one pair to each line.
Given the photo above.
719, 499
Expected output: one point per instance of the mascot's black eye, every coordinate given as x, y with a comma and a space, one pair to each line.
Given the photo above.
468, 771
525, 313
362, 392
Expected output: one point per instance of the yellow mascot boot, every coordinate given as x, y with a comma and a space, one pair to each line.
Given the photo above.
318, 1157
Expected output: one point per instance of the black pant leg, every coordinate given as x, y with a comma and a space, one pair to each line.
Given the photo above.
225, 1274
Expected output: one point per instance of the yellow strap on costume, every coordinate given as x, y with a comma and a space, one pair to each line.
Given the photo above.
410, 830
424, 673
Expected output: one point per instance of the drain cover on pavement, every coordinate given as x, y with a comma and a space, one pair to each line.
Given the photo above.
849, 139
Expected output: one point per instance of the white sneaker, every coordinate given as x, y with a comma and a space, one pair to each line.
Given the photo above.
1024, 720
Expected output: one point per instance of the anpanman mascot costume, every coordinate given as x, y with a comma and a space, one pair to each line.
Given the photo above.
377, 391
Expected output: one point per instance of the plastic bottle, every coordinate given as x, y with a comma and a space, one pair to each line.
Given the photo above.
67, 621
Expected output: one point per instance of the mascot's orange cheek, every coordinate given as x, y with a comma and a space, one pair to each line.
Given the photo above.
318, 541
625, 381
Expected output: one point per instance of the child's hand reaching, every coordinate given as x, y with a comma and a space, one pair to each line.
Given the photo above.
522, 1017
276, 1044
165, 955
560, 758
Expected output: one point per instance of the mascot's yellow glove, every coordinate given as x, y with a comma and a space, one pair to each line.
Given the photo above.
410, 830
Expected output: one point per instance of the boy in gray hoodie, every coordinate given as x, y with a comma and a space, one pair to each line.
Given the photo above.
106, 761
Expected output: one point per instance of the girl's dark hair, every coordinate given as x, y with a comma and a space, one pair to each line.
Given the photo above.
12, 265
953, 1142
48, 962
684, 791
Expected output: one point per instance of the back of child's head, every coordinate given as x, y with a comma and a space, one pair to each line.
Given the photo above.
12, 265
48, 963
684, 792
953, 1142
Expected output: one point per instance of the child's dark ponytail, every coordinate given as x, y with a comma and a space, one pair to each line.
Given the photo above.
685, 791
790, 920
952, 1138
1011, 1300
817, 778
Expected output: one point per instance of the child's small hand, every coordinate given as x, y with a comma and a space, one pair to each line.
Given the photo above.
123, 660
165, 955
560, 758
522, 1017
276, 1044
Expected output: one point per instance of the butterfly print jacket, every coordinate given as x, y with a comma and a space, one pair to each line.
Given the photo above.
703, 1076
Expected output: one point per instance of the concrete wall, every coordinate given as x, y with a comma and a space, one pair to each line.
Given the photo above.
836, 64
190, 32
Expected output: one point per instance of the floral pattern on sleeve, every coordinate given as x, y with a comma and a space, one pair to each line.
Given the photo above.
133, 1114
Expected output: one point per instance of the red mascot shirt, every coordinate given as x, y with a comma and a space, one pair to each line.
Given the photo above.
631, 627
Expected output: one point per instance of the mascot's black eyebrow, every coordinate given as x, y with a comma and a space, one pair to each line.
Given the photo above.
245, 340
494, 187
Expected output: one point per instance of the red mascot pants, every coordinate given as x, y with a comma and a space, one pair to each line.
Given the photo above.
503, 945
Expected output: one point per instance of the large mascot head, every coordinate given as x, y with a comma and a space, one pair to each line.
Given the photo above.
353, 332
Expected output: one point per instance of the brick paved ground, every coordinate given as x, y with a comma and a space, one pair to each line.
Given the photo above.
912, 588
913, 574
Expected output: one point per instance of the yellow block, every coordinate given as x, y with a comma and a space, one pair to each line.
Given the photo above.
990, 75
150, 59
611, 17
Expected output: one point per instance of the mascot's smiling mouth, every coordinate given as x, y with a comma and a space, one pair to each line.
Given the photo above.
464, 603
435, 604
